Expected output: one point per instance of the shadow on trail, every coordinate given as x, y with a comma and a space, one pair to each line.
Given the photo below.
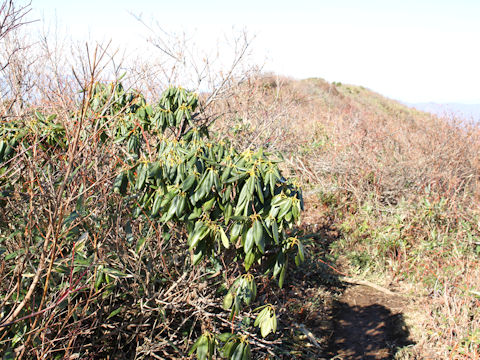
368, 332
349, 321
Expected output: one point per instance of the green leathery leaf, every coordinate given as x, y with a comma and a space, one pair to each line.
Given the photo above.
224, 337
301, 251
201, 182
238, 353
239, 209
168, 198
226, 173
296, 209
278, 264
224, 238
249, 260
235, 178
266, 320
258, 235
275, 231
249, 240
277, 201
227, 193
228, 301
228, 212
258, 187
271, 180
229, 348
211, 347
237, 229
201, 342
274, 323
247, 352
265, 327
216, 181
251, 184
172, 209
285, 208
261, 315
281, 279
149, 110
203, 188
288, 217
39, 116
245, 193
199, 253
208, 204
239, 218
209, 181
3, 146
253, 288
188, 182
195, 214
141, 114
178, 117
141, 176
120, 183
182, 201
198, 235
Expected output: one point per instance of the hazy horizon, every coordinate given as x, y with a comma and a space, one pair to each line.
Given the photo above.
467, 112
414, 51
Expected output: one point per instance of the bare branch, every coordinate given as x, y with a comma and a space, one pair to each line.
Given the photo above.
12, 17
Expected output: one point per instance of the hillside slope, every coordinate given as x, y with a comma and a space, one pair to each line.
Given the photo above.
399, 186
349, 131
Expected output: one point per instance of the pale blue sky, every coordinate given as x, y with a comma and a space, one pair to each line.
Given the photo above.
408, 50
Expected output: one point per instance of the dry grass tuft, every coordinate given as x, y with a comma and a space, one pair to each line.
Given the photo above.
401, 185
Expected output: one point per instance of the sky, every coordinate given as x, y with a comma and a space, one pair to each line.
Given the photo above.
412, 51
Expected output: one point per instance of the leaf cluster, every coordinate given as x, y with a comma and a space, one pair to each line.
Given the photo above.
168, 175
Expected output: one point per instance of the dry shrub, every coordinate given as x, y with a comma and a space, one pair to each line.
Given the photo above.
88, 273
261, 112
81, 276
366, 156
367, 143
403, 186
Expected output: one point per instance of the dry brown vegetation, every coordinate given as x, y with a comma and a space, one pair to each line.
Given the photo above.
349, 131
392, 198
401, 186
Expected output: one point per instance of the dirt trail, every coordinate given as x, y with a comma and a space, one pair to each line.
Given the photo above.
368, 325
365, 321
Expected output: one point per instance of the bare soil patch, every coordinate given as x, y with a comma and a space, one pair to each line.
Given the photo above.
368, 325
336, 317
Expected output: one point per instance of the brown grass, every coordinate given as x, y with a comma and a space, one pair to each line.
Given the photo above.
402, 186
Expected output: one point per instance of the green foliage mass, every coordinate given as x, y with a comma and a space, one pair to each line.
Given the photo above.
166, 171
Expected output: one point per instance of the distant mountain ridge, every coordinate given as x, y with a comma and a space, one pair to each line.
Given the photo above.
464, 111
